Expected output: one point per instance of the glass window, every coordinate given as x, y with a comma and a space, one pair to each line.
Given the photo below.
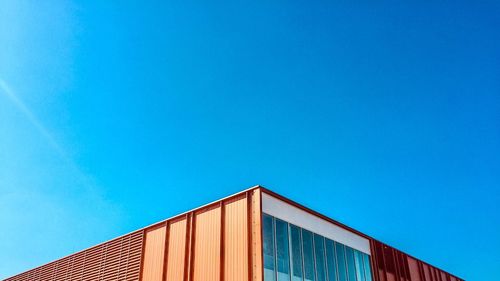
319, 253
307, 249
282, 254
331, 262
358, 259
368, 270
296, 253
351, 268
268, 247
340, 249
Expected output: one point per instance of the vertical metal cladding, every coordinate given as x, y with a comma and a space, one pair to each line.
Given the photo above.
217, 242
176, 250
118, 259
207, 245
236, 240
414, 268
392, 265
152, 269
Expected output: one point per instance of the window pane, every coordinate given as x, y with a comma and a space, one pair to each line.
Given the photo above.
296, 253
268, 247
341, 261
282, 254
319, 253
368, 270
351, 268
360, 273
330, 260
307, 245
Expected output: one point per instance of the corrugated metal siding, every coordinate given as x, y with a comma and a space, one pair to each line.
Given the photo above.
176, 250
414, 269
443, 276
218, 242
119, 259
206, 263
154, 250
392, 264
236, 240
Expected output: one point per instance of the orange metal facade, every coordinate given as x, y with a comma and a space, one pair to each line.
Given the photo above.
118, 259
212, 243
154, 252
217, 242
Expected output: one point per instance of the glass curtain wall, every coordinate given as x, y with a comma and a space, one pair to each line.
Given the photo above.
295, 254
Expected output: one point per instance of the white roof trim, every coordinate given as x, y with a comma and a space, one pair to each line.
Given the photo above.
284, 211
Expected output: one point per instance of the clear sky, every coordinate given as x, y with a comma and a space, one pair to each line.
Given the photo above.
384, 115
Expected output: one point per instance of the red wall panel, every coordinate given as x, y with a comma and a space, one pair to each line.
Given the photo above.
394, 265
414, 269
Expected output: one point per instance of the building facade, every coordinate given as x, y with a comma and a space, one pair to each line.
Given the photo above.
254, 235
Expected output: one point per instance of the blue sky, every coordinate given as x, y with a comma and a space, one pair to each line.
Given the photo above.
117, 114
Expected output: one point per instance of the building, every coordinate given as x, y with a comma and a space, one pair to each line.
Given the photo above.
253, 235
